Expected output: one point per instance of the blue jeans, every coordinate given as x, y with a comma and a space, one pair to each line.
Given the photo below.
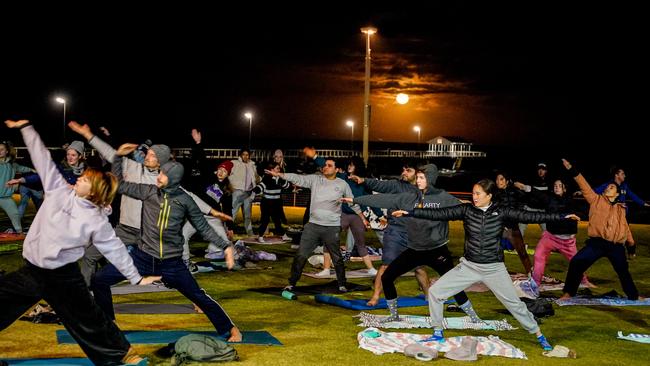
25, 195
174, 274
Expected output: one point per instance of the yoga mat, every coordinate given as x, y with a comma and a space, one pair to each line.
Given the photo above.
416, 321
325, 288
360, 304
49, 362
154, 309
168, 336
607, 301
138, 289
268, 240
359, 273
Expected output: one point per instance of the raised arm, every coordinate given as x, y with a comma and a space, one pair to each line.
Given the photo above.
41, 158
588, 193
135, 190
442, 214
388, 201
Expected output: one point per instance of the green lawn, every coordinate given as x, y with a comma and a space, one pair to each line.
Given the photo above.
315, 334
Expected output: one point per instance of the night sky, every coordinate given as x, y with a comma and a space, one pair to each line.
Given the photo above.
543, 80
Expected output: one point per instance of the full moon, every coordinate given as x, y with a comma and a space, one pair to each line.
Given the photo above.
402, 98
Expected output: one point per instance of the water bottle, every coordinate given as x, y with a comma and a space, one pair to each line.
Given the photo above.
289, 295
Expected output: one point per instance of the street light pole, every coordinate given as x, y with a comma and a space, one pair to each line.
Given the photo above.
250, 127
351, 125
62, 101
418, 130
368, 31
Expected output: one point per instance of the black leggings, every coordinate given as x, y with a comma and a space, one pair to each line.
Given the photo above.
439, 259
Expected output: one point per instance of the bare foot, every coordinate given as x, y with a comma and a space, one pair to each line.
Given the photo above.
588, 284
131, 357
565, 296
235, 335
197, 309
373, 301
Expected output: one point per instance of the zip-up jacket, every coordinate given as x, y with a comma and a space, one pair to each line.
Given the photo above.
422, 234
483, 229
66, 224
164, 212
606, 219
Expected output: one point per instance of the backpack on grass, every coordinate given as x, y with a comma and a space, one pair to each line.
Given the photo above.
202, 348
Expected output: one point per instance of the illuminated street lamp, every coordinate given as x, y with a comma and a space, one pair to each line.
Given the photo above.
249, 115
351, 125
62, 101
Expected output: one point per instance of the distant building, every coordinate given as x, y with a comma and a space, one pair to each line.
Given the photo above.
444, 147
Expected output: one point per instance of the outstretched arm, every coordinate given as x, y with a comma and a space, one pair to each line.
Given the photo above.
135, 190
41, 158
588, 193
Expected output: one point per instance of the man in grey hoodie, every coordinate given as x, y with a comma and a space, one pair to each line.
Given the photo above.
165, 208
427, 241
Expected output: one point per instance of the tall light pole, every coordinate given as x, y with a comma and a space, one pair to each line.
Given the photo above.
249, 115
417, 129
62, 101
351, 125
368, 31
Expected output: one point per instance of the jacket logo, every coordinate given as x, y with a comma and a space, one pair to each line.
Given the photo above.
495, 214
428, 205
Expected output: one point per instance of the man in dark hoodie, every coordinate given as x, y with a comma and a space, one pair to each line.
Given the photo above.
165, 208
395, 236
427, 240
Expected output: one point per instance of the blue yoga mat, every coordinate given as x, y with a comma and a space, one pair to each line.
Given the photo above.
402, 302
169, 336
49, 362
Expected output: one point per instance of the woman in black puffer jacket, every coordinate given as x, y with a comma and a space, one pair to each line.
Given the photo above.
483, 260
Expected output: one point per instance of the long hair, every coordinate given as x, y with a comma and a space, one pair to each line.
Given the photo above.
102, 187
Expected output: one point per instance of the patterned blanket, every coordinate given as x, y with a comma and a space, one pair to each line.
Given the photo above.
608, 301
396, 342
416, 321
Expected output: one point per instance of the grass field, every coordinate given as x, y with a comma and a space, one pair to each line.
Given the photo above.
316, 334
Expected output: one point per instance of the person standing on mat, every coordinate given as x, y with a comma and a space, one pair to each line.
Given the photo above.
608, 232
324, 223
69, 219
483, 261
427, 244
165, 208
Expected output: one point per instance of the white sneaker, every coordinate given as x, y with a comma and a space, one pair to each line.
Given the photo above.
286, 237
261, 239
323, 273
372, 271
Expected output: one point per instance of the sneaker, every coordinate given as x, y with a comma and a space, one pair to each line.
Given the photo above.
286, 237
295, 246
372, 272
323, 273
544, 343
261, 239
343, 289
437, 336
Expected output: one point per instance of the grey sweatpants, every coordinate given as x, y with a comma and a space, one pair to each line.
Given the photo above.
314, 235
494, 276
9, 206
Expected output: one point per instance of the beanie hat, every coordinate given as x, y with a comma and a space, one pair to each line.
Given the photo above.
226, 164
78, 146
163, 153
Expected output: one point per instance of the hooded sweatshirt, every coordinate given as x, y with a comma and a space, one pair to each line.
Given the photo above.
164, 212
422, 234
47, 245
